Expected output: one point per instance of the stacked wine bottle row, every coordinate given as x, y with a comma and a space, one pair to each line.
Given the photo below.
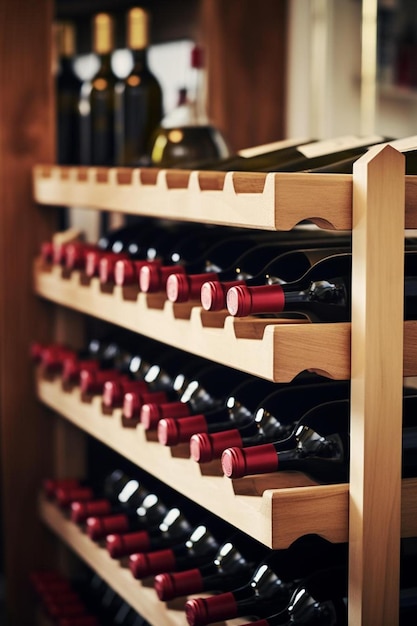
253, 425
184, 551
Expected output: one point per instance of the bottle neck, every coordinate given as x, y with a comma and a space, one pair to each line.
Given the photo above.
198, 105
105, 67
140, 61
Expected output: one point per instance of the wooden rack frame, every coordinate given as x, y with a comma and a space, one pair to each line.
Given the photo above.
378, 191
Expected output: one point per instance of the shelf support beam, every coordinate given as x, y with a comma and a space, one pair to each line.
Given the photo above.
377, 383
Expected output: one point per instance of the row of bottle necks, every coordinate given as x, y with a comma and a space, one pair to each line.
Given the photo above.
300, 274
250, 425
212, 571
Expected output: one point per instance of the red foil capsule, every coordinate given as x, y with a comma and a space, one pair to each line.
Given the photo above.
72, 367
47, 252
202, 611
205, 447
81, 511
99, 527
50, 485
120, 545
172, 585
243, 300
153, 276
133, 402
151, 413
239, 462
172, 431
213, 294
184, 287
75, 254
92, 381
115, 390
106, 267
151, 563
64, 497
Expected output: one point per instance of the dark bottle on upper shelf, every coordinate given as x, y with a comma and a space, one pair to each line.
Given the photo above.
271, 585
97, 100
319, 600
231, 566
186, 135
271, 419
322, 293
295, 155
318, 446
264, 265
68, 88
138, 96
196, 549
237, 408
205, 390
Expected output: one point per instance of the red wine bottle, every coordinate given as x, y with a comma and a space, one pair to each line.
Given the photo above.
323, 293
251, 270
204, 391
271, 419
173, 527
271, 585
231, 566
319, 600
318, 446
167, 377
186, 285
198, 547
237, 408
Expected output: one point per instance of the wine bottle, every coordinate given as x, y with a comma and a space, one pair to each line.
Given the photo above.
138, 96
263, 265
237, 408
205, 391
323, 292
295, 154
271, 419
186, 285
191, 257
167, 378
159, 532
97, 102
271, 585
231, 566
318, 446
196, 138
319, 600
197, 548
68, 88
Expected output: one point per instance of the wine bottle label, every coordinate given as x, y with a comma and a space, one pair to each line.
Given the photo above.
337, 144
270, 147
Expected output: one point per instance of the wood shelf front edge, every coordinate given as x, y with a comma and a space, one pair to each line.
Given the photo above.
275, 351
274, 201
141, 597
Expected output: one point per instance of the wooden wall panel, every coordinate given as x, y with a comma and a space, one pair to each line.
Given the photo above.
246, 45
26, 137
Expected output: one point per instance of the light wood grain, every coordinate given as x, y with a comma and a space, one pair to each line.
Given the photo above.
376, 392
266, 348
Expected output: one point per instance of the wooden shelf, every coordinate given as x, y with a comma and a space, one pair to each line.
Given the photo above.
272, 349
274, 508
274, 201
139, 594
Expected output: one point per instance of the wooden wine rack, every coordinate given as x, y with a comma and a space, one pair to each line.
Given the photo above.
376, 350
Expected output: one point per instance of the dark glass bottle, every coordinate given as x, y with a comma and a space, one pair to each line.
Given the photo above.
231, 566
97, 101
319, 600
264, 265
186, 284
193, 138
166, 378
271, 585
204, 391
198, 547
295, 155
318, 446
138, 97
271, 419
68, 88
323, 293
237, 408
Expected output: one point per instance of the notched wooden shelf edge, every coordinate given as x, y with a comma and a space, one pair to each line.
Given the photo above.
277, 350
